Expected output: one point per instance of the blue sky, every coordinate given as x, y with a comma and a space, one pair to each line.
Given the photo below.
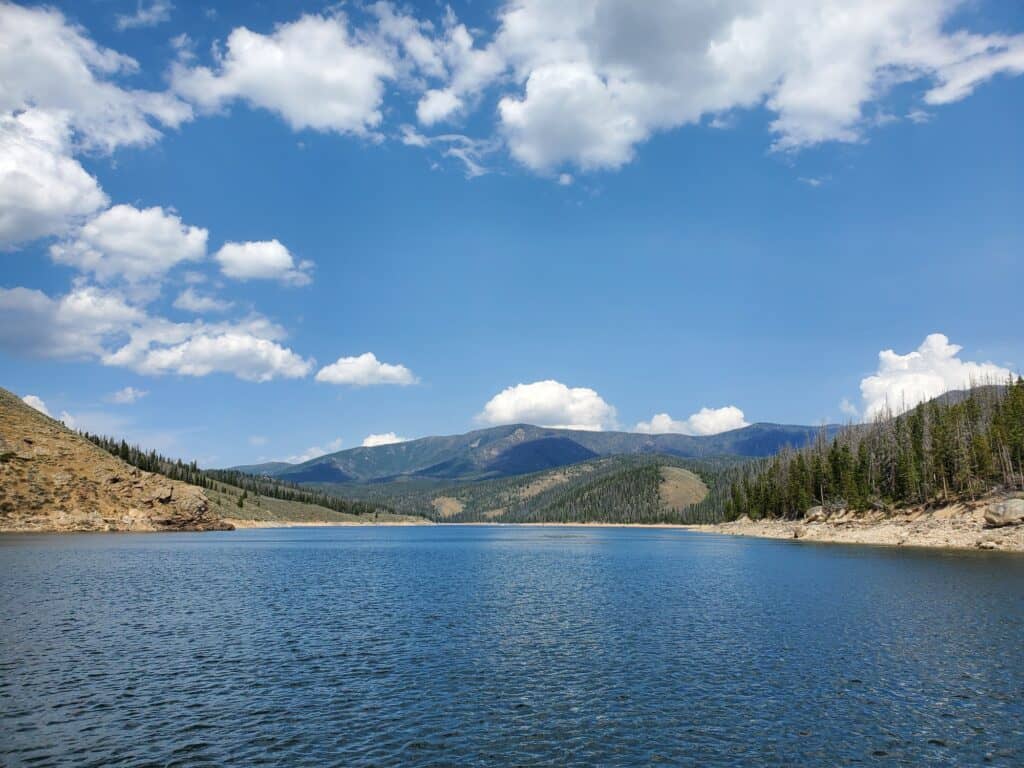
558, 222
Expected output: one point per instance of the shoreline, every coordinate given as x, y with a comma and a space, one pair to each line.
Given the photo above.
252, 524
954, 527
957, 527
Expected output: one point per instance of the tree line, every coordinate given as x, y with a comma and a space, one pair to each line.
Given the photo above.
956, 447
189, 472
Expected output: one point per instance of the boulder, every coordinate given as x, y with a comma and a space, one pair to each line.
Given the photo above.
1004, 513
816, 515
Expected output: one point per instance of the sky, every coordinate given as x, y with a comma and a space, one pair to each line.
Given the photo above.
239, 232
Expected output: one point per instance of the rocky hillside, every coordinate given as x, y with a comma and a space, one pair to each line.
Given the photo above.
51, 479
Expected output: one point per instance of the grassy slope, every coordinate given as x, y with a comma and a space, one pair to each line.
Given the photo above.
224, 500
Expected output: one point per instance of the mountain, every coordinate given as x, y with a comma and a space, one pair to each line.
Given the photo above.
522, 448
268, 468
52, 479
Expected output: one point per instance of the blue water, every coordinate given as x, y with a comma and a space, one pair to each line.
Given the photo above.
504, 646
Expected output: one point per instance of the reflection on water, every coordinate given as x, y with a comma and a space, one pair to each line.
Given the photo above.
498, 645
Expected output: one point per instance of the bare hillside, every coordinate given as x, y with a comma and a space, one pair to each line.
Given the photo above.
51, 479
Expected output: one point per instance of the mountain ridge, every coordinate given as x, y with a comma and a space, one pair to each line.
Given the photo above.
514, 449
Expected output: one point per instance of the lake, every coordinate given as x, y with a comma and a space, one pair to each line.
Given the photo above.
490, 645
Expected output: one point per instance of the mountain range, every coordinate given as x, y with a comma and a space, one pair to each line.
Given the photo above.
518, 449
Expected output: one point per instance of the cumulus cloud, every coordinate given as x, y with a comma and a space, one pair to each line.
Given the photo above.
706, 421
549, 404
903, 381
314, 72
93, 324
128, 395
315, 452
37, 403
387, 438
59, 98
191, 300
43, 189
132, 244
79, 324
437, 105
365, 370
157, 12
262, 260
243, 354
592, 79
50, 65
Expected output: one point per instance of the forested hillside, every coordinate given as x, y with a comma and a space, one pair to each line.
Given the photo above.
959, 446
598, 490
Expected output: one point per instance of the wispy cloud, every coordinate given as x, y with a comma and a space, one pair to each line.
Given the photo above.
156, 12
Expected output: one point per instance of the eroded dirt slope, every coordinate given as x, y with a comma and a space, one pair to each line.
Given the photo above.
51, 479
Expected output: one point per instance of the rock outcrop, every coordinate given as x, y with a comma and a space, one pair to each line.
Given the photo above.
52, 479
816, 515
1004, 513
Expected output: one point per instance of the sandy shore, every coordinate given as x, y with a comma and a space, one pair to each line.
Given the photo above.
957, 526
320, 524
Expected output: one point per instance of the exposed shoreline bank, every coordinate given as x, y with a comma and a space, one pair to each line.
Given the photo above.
957, 526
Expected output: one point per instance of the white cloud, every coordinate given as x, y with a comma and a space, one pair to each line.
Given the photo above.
315, 452
569, 115
258, 440
565, 179
594, 78
706, 421
92, 324
812, 181
387, 438
43, 189
365, 370
157, 12
314, 72
128, 395
549, 404
50, 65
77, 325
262, 260
245, 355
472, 153
190, 300
903, 381
37, 403
437, 105
849, 409
132, 244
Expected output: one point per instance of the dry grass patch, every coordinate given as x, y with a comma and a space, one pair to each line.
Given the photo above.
680, 488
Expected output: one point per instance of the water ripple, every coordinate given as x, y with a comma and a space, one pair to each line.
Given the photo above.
497, 646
